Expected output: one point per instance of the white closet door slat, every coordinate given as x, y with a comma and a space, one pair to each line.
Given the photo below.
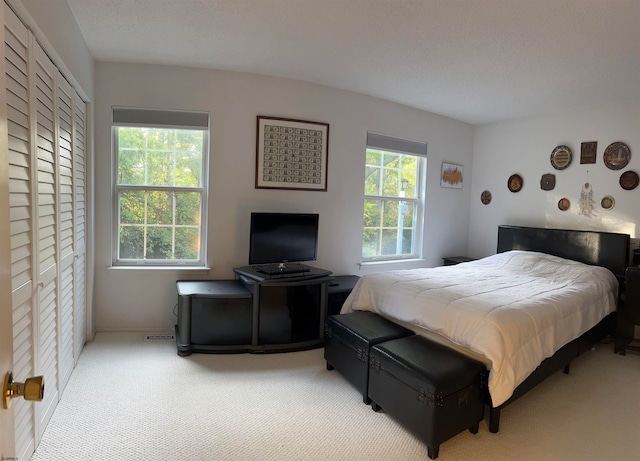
48, 252
21, 198
64, 125
79, 297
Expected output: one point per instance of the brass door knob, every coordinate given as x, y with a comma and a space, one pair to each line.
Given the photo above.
31, 389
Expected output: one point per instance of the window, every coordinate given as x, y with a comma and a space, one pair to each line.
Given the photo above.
160, 194
393, 203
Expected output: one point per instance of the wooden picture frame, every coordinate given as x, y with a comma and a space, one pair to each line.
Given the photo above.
291, 154
588, 152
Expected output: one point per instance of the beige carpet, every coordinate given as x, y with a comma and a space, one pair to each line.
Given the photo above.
134, 400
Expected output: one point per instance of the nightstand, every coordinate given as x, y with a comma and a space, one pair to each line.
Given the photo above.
453, 260
628, 315
338, 290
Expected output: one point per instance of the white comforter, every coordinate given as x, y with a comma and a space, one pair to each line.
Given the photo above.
515, 308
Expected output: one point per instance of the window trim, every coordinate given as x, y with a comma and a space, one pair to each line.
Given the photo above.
418, 149
165, 119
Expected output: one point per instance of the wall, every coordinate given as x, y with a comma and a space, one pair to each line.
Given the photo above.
525, 146
134, 299
60, 35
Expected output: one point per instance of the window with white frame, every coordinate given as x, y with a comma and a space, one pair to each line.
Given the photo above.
160, 186
393, 201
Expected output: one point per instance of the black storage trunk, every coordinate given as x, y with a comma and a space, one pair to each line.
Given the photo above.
432, 390
348, 338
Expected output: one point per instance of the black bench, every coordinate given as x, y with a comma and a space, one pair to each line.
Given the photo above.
430, 389
348, 338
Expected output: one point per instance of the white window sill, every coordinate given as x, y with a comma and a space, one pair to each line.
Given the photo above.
390, 262
138, 267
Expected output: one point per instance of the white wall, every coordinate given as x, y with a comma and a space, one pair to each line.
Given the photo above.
132, 299
56, 26
525, 146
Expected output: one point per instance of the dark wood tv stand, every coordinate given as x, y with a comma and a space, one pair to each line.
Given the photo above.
254, 313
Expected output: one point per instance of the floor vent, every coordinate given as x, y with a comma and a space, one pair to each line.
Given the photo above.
167, 337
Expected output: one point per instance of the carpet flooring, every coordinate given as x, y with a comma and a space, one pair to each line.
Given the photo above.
130, 399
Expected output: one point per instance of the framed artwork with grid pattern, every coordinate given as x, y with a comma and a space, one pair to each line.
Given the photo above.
291, 154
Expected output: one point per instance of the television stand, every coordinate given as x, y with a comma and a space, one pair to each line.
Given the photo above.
254, 313
282, 268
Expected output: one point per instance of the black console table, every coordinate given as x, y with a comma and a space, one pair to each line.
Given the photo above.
255, 313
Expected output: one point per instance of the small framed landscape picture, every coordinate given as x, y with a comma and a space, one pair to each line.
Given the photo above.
291, 154
452, 175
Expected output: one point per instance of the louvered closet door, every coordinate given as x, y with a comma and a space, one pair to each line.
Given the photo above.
47, 228
22, 202
64, 110
79, 277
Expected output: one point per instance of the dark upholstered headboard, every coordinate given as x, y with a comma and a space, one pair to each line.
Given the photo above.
606, 249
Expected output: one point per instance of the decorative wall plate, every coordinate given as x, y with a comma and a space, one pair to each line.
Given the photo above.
561, 157
629, 180
514, 183
548, 181
617, 155
607, 202
564, 204
485, 197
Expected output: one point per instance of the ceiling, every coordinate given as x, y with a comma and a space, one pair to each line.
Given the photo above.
478, 61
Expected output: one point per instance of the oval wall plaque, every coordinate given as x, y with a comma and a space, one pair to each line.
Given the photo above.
515, 183
485, 197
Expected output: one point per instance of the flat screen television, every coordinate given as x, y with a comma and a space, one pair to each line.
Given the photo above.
277, 238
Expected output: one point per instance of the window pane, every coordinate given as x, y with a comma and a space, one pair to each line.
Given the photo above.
159, 168
188, 169
160, 138
374, 157
187, 208
187, 244
370, 243
372, 181
407, 210
407, 241
132, 209
159, 207
389, 242
131, 169
372, 213
160, 157
131, 242
390, 214
159, 243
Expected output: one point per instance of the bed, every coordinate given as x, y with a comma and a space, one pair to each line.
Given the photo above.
546, 296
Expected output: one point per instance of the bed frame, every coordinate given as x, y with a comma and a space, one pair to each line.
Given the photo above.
606, 249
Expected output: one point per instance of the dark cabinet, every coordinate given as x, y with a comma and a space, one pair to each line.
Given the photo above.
628, 315
453, 260
338, 291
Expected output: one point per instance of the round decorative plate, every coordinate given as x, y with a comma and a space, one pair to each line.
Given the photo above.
617, 155
515, 183
629, 180
485, 197
564, 204
607, 202
561, 157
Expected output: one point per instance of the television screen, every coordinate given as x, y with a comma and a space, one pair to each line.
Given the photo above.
283, 237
